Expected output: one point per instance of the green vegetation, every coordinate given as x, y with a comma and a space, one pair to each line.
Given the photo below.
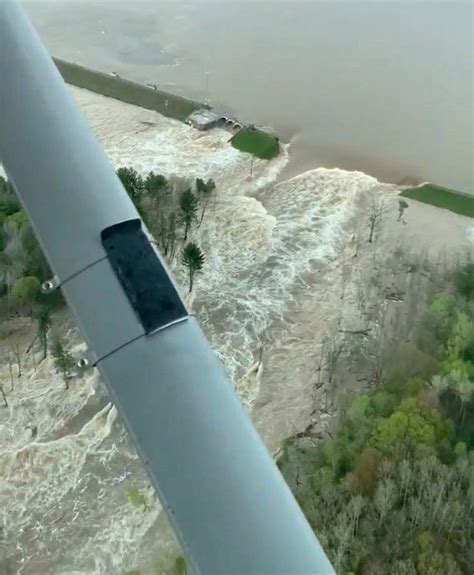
440, 197
188, 204
193, 259
205, 192
179, 567
26, 289
137, 498
465, 281
63, 360
132, 182
126, 91
391, 492
23, 267
249, 139
171, 210
256, 142
42, 315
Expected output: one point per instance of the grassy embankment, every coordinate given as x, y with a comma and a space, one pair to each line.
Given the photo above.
256, 142
126, 91
249, 140
440, 197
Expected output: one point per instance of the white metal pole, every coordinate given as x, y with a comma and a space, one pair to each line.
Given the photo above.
228, 503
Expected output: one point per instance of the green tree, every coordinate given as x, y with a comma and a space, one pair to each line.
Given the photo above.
156, 186
3, 235
366, 472
465, 281
43, 325
188, 204
18, 220
9, 203
132, 182
14, 256
7, 278
442, 313
165, 232
35, 261
431, 560
63, 359
193, 259
180, 567
461, 340
204, 192
26, 289
411, 427
137, 498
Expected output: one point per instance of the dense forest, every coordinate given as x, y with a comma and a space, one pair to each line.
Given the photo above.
391, 490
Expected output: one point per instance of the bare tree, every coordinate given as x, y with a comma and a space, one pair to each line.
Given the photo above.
10, 368
16, 354
384, 498
376, 210
4, 397
331, 352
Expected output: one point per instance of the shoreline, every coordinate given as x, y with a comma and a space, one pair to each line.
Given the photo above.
245, 137
149, 97
114, 86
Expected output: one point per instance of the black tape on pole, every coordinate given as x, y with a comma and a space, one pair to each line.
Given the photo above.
142, 275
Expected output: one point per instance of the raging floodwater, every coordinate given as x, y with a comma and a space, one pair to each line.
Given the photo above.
63, 500
273, 243
380, 86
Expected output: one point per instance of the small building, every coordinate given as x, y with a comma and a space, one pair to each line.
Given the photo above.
203, 119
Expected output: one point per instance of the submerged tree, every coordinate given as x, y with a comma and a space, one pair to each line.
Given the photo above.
375, 215
169, 228
193, 259
4, 397
63, 359
204, 192
43, 322
402, 206
188, 204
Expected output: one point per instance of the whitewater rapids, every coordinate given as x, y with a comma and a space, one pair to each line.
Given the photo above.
64, 508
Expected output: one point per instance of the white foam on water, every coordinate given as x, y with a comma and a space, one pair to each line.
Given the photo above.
259, 250
63, 500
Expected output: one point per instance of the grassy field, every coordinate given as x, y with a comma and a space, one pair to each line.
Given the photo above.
440, 197
126, 91
255, 142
